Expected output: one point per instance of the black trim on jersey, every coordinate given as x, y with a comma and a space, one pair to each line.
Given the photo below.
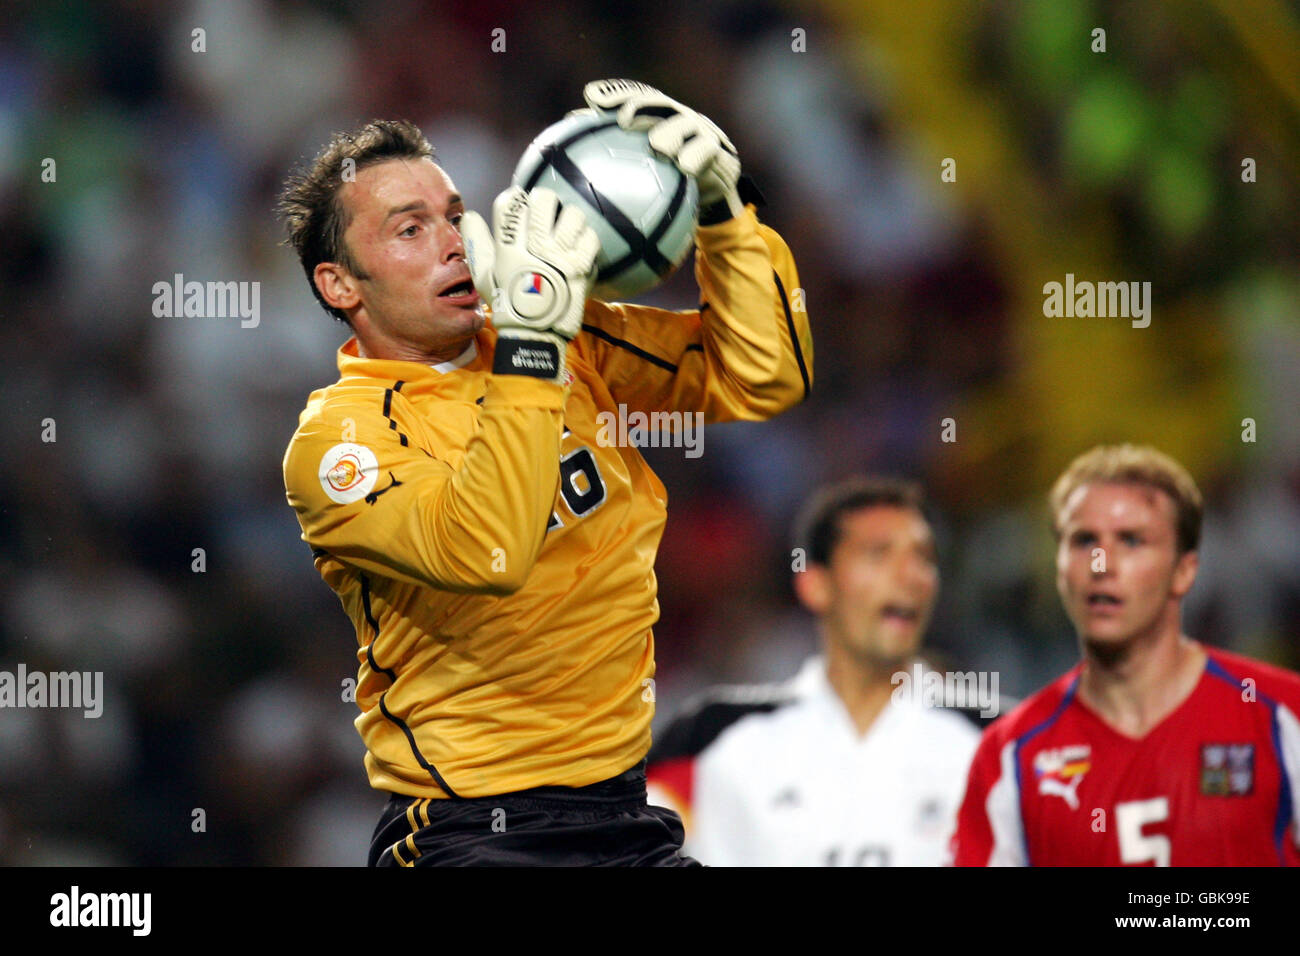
705, 717
374, 626
319, 553
639, 353
415, 750
392, 676
388, 407
794, 338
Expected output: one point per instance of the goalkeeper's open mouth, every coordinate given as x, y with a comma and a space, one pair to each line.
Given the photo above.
460, 292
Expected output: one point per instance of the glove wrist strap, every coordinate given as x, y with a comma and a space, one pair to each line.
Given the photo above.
538, 354
723, 210
733, 203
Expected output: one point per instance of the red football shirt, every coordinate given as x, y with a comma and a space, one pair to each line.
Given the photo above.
1213, 784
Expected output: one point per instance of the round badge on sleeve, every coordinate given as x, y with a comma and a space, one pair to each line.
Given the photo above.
348, 472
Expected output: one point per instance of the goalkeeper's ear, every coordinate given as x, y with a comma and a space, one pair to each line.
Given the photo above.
337, 286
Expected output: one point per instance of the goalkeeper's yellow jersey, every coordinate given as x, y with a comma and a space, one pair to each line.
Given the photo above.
494, 546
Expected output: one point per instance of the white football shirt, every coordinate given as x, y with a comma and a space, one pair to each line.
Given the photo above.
790, 782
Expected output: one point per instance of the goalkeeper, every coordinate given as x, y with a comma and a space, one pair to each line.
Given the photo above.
496, 560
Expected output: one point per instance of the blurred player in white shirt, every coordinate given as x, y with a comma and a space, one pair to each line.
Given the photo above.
843, 765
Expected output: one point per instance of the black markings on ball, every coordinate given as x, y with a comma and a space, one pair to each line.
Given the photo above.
641, 248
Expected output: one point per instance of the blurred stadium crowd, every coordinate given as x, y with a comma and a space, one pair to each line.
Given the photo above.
225, 688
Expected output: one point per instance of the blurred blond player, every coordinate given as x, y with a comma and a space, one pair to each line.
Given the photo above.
836, 767
1155, 750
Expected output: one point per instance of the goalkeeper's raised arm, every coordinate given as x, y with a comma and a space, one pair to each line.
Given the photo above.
747, 352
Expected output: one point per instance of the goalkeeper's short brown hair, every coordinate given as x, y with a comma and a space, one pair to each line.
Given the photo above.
309, 203
1135, 465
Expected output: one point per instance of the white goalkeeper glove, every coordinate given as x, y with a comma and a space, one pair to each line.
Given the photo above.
690, 140
537, 274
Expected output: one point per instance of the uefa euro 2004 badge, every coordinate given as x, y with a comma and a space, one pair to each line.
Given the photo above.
348, 472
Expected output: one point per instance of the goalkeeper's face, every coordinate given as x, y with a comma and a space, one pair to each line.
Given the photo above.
412, 290
876, 595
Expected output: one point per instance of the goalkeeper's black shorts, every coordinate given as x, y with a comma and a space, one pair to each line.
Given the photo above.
605, 824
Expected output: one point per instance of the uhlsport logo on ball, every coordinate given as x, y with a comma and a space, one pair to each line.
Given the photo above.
641, 206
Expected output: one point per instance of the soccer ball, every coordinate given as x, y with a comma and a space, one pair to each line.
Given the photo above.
641, 206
